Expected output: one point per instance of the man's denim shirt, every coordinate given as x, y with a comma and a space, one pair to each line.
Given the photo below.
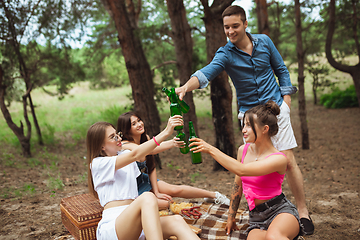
253, 76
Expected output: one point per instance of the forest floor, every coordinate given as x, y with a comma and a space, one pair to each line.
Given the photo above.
29, 210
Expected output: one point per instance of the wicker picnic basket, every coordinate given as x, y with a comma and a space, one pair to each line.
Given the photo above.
81, 214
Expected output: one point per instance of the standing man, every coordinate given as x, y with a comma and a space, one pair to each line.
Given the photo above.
251, 61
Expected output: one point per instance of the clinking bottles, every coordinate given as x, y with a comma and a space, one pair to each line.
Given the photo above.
183, 105
182, 136
195, 157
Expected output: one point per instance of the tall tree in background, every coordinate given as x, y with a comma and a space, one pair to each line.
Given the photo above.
275, 10
353, 20
262, 17
221, 93
125, 14
22, 58
181, 35
301, 78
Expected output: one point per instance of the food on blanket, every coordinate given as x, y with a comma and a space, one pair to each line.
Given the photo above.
191, 212
163, 213
177, 207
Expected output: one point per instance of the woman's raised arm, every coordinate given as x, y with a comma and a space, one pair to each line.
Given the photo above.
146, 148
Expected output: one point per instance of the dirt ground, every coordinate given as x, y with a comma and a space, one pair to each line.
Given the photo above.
330, 169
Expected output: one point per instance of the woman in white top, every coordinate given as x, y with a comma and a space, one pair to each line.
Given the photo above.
112, 178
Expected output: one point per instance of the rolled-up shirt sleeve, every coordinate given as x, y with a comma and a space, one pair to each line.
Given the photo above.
213, 69
203, 81
288, 90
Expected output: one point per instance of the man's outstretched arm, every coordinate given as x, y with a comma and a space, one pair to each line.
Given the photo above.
191, 84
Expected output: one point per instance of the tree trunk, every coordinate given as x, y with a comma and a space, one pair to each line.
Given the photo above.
262, 17
354, 71
181, 35
36, 123
301, 78
275, 35
221, 94
136, 63
314, 88
18, 131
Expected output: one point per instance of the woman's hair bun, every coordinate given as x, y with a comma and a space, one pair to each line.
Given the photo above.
272, 107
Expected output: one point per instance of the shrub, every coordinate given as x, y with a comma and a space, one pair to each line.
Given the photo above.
340, 99
112, 113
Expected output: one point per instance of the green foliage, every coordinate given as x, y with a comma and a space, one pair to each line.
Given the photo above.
319, 73
55, 61
102, 57
28, 61
112, 113
343, 40
340, 99
282, 29
48, 133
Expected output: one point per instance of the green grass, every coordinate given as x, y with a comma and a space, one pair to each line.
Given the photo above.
72, 115
18, 192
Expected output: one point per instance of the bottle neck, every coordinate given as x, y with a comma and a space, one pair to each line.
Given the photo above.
191, 130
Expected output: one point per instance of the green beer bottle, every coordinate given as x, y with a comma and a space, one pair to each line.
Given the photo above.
175, 107
183, 105
195, 157
182, 136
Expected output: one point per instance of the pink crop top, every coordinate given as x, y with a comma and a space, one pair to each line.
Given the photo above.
261, 187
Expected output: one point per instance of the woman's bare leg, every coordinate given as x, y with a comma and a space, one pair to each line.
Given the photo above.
175, 225
284, 226
143, 213
184, 191
256, 234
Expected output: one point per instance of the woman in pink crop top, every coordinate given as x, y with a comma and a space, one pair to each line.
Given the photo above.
112, 178
260, 169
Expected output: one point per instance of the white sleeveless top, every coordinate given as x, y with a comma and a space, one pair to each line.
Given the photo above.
113, 185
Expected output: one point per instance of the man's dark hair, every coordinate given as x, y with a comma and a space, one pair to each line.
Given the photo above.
234, 10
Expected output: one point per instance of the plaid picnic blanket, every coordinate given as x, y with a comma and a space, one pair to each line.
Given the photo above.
213, 221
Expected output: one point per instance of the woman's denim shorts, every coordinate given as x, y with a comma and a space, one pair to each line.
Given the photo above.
143, 183
262, 219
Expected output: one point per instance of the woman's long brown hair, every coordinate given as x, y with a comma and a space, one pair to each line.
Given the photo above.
94, 141
124, 126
